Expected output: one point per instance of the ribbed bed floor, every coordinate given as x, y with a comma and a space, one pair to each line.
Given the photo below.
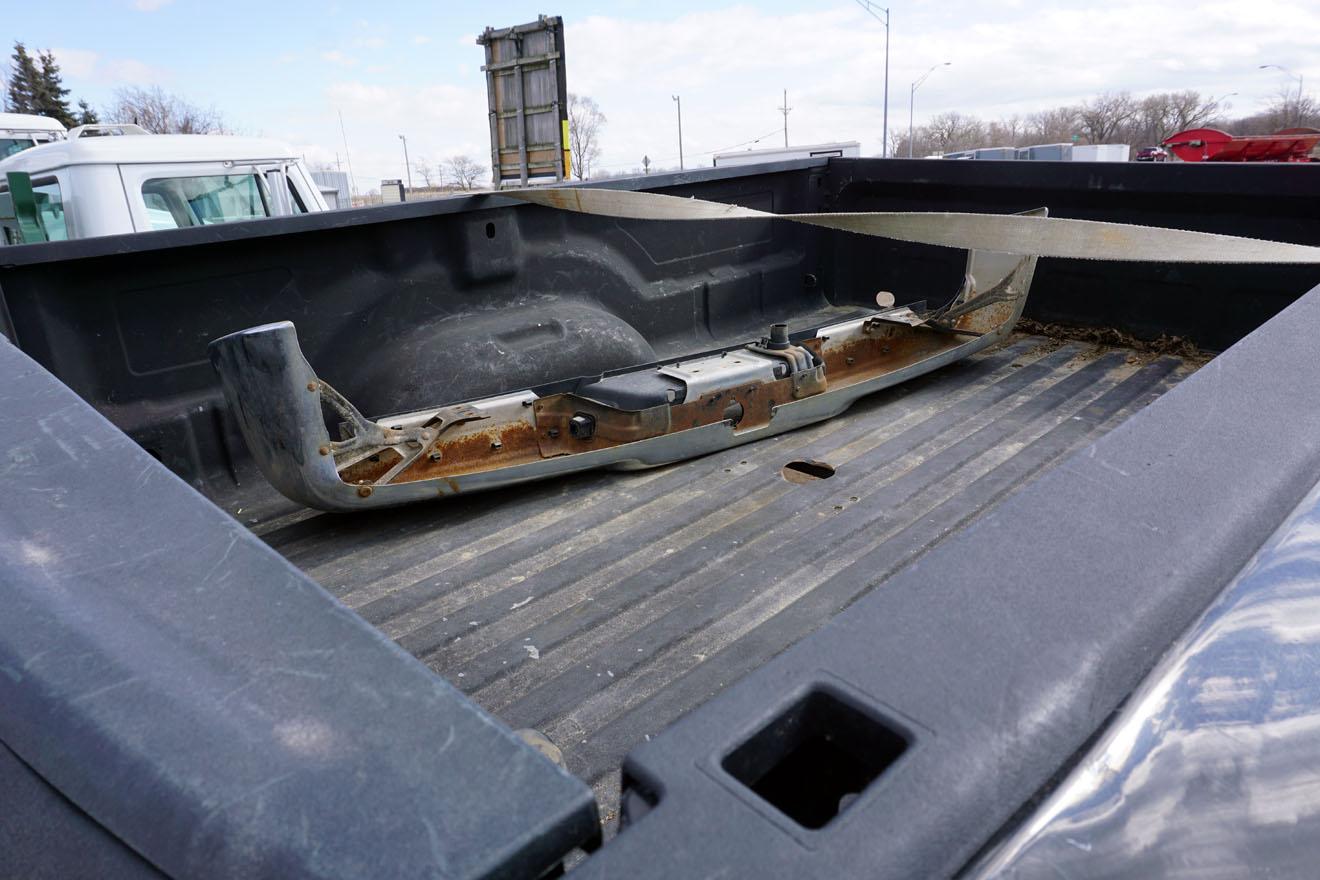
599, 609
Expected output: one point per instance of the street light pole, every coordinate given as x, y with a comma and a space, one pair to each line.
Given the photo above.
912, 97
1296, 76
875, 13
884, 151
679, 102
407, 166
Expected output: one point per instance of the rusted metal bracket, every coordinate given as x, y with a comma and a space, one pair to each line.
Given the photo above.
806, 369
555, 433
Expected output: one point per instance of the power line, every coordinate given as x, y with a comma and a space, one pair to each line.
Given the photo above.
352, 181
755, 140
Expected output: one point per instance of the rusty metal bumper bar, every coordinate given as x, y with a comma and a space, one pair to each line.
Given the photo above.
718, 401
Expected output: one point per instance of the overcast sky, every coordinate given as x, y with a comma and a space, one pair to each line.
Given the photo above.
285, 70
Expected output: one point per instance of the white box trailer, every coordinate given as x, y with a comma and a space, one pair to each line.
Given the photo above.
781, 154
1101, 153
995, 154
1050, 152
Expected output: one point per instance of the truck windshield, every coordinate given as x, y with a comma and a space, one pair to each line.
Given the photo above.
173, 202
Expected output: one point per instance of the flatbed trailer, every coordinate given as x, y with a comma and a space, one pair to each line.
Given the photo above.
653, 625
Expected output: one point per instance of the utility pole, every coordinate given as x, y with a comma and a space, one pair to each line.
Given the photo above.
646, 164
679, 102
785, 110
407, 166
875, 13
912, 98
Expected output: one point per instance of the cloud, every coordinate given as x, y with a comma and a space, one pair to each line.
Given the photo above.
439, 120
1007, 59
77, 62
128, 70
85, 64
150, 5
334, 56
831, 60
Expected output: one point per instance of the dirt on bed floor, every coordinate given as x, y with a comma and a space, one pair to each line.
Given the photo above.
1111, 337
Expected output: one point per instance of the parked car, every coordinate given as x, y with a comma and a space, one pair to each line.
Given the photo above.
1152, 154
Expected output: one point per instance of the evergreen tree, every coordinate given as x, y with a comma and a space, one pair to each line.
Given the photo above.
34, 85
24, 77
52, 96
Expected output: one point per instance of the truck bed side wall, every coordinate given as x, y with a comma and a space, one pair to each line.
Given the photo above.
403, 307
433, 302
1213, 306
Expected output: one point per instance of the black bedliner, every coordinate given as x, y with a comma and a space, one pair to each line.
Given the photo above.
972, 578
1001, 653
600, 609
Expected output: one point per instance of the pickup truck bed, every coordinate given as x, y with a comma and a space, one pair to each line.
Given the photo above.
599, 609
664, 628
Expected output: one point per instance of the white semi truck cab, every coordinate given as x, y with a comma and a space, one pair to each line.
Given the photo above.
114, 179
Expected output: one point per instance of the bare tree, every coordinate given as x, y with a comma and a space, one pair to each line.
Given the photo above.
1051, 126
585, 121
1291, 110
464, 171
897, 142
1007, 132
1110, 117
1154, 120
1190, 110
159, 112
954, 131
1106, 115
1166, 113
428, 169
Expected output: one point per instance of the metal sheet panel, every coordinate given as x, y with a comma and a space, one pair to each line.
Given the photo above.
1211, 768
527, 92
